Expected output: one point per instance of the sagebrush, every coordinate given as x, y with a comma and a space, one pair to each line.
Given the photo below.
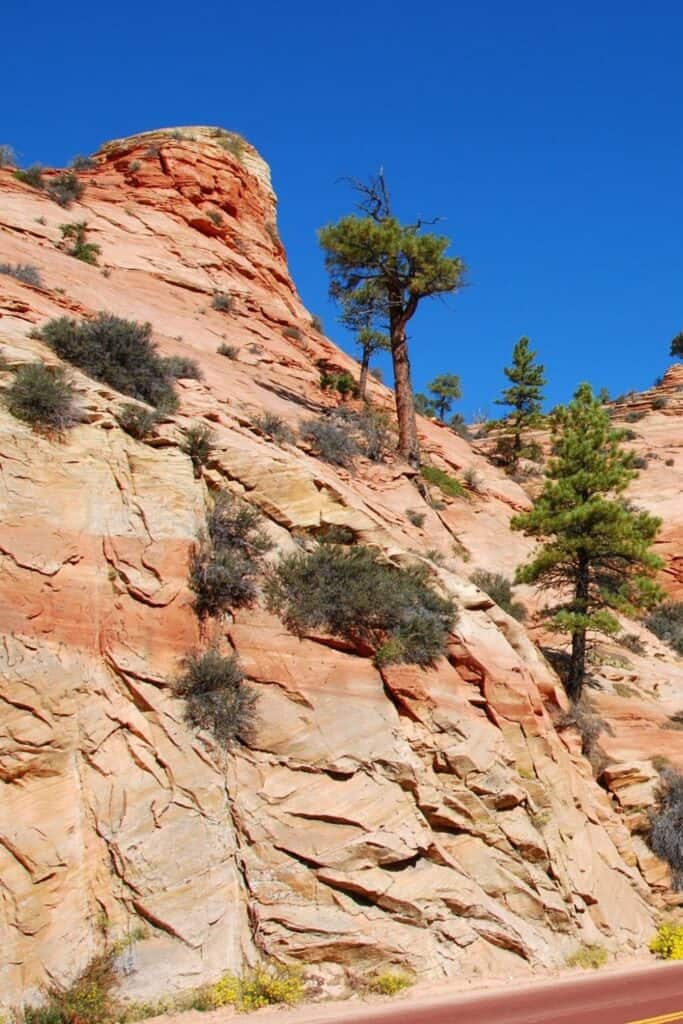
353, 593
215, 697
42, 396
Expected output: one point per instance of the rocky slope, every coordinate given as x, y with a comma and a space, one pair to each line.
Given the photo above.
427, 817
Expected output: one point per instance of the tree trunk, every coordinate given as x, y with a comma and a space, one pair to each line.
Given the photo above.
408, 444
363, 380
577, 661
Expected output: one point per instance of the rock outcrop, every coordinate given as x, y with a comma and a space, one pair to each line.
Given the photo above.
427, 817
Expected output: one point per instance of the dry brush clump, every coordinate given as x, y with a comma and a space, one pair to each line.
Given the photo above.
215, 698
117, 352
228, 558
666, 825
42, 396
355, 594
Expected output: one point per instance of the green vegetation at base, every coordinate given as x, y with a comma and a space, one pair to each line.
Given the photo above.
444, 481
588, 956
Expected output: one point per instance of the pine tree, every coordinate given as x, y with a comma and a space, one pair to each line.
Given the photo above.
524, 397
377, 257
446, 389
364, 313
597, 545
677, 345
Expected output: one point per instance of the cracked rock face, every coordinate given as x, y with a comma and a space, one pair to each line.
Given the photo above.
426, 817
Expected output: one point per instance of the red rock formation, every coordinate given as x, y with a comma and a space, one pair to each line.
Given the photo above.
432, 817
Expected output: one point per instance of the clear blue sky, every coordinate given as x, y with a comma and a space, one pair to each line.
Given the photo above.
548, 136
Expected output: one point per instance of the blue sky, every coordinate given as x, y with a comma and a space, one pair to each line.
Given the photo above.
547, 136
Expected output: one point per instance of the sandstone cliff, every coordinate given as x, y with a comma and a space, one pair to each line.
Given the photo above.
427, 817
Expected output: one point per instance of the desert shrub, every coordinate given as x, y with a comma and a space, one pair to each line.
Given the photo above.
231, 142
660, 402
134, 166
340, 381
75, 243
332, 440
666, 825
669, 462
275, 427
198, 443
499, 589
459, 427
229, 351
389, 983
216, 699
633, 417
666, 622
222, 302
8, 157
415, 517
118, 352
89, 999
335, 533
375, 433
668, 942
24, 272
42, 396
446, 483
351, 593
137, 420
216, 217
32, 176
588, 956
292, 332
273, 234
590, 727
640, 462
83, 163
628, 435
632, 643
317, 324
225, 565
182, 366
265, 985
472, 479
65, 188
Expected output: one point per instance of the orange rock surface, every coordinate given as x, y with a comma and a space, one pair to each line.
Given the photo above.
427, 817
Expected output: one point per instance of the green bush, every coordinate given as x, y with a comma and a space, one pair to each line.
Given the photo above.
275, 427
24, 272
137, 420
118, 352
666, 825
198, 443
340, 381
660, 402
331, 439
65, 188
351, 593
75, 243
459, 427
499, 589
633, 417
42, 396
89, 999
32, 176
182, 366
227, 560
215, 697
666, 622
229, 351
446, 483
668, 942
588, 956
